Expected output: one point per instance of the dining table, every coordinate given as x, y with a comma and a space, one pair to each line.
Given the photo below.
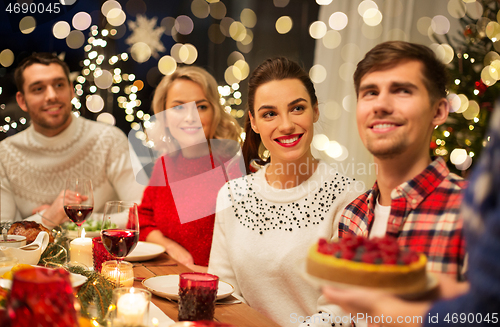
236, 314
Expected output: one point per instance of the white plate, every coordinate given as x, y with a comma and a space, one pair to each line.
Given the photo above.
76, 280
168, 287
145, 251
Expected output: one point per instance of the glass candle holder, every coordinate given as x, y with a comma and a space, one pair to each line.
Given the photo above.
125, 270
130, 307
42, 296
197, 295
99, 253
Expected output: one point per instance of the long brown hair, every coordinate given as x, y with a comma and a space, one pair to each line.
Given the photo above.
270, 70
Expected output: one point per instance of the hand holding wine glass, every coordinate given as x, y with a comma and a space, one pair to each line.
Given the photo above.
78, 200
120, 229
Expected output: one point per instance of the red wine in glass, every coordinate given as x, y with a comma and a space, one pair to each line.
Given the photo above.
78, 213
119, 242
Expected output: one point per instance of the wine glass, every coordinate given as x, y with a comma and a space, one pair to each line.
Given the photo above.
120, 230
78, 200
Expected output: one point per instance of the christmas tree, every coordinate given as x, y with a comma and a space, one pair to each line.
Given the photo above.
474, 72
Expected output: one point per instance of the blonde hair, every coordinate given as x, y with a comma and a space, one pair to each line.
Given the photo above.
224, 126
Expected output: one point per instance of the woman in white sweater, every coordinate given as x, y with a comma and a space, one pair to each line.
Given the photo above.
266, 221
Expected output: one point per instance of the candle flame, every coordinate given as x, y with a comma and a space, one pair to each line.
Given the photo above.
83, 232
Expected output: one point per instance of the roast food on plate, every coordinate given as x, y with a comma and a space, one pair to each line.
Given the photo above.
377, 262
30, 229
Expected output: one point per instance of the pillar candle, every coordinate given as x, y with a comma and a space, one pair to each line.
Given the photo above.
80, 250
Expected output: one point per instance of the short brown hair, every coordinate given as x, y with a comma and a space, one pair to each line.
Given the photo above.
388, 54
43, 58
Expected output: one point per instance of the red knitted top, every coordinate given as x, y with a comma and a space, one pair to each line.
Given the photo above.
189, 219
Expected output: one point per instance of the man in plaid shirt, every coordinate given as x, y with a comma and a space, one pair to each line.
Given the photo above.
401, 91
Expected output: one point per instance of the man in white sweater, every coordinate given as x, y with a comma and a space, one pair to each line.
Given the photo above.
36, 162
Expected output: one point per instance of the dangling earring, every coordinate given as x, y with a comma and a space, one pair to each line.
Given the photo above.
169, 139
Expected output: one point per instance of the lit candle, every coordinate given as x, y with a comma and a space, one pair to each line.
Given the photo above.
132, 307
80, 250
125, 271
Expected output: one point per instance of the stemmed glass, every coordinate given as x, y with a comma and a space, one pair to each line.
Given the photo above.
120, 229
78, 200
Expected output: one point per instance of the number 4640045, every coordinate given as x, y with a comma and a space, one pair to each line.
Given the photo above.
33, 8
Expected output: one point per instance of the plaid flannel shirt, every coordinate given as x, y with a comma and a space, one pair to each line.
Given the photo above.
424, 217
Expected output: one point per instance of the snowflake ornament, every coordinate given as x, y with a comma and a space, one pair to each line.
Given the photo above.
145, 30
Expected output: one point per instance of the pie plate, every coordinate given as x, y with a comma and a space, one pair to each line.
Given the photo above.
167, 286
316, 282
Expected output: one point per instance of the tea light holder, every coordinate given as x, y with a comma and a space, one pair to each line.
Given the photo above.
131, 306
111, 270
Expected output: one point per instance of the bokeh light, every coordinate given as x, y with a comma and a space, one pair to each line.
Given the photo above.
234, 57
167, 65
237, 31
317, 73
458, 156
489, 75
440, 24
81, 21
243, 67
372, 17
351, 53
188, 53
456, 8
116, 17
27, 24
200, 8
218, 10
6, 58
184, 25
317, 29
365, 5
349, 103
323, 2
332, 110
338, 20
284, 24
454, 101
464, 103
225, 24
168, 23
472, 111
474, 9
104, 79
493, 31
108, 5
334, 150
444, 52
248, 17
61, 30
140, 52
424, 24
281, 3
75, 39
94, 103
320, 142
107, 118
332, 39
346, 71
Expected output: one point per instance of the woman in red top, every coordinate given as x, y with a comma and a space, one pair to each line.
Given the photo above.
202, 142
